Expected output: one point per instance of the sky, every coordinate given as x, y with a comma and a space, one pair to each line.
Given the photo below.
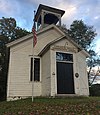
23, 12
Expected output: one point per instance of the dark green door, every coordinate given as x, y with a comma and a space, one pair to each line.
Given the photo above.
65, 81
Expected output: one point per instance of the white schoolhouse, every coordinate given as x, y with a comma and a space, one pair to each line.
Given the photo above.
59, 63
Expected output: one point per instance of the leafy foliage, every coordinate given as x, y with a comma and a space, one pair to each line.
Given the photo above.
93, 61
95, 90
84, 36
82, 33
9, 29
8, 32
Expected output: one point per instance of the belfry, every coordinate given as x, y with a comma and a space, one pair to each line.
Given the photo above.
46, 15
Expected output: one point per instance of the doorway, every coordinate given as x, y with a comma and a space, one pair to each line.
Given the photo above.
65, 80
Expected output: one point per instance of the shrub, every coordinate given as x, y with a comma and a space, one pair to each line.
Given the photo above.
95, 90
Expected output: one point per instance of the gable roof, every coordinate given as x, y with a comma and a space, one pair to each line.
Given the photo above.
65, 35
59, 29
30, 36
17, 41
58, 39
48, 45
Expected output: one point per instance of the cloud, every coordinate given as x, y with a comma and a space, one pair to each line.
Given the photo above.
22, 10
4, 6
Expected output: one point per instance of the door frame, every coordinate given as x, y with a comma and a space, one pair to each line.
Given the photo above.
72, 73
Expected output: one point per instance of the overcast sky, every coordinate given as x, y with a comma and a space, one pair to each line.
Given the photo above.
23, 11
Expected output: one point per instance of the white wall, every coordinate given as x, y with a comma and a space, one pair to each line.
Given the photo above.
45, 38
19, 83
79, 66
46, 74
19, 67
81, 82
61, 43
53, 73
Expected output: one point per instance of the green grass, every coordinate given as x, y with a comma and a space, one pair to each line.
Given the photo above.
52, 106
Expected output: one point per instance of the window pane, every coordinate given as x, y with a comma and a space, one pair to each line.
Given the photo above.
31, 73
64, 57
36, 69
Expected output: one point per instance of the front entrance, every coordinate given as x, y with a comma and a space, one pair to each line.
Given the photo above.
65, 81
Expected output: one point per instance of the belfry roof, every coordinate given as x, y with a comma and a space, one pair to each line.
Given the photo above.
50, 17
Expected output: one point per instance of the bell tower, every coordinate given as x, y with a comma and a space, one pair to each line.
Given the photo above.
46, 15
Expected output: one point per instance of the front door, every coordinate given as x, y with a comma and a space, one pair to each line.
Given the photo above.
65, 81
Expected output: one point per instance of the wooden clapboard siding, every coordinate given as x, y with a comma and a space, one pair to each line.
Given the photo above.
45, 38
46, 74
19, 83
83, 79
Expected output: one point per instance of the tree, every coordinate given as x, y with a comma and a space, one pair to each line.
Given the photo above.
82, 33
84, 36
8, 32
93, 61
9, 29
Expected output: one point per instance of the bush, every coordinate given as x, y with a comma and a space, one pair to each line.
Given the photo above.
95, 90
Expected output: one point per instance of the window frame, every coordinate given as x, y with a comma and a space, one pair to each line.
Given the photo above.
66, 53
31, 69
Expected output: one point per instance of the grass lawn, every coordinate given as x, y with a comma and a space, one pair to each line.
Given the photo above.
52, 106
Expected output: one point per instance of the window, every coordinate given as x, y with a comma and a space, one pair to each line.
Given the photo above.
31, 69
36, 69
64, 57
